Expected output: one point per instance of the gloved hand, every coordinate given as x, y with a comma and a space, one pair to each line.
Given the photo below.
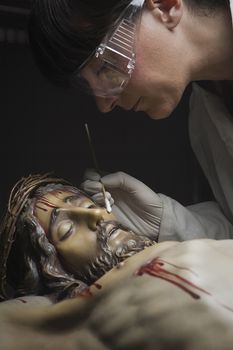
133, 203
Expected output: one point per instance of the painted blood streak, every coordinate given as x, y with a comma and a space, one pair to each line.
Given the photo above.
45, 202
86, 293
156, 268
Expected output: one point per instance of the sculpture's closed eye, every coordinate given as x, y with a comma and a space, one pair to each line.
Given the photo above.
65, 230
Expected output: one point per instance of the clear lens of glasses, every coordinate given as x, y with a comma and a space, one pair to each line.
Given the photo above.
108, 70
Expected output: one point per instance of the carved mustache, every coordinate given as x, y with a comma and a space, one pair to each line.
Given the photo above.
106, 229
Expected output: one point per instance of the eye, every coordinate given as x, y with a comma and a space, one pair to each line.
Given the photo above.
91, 206
65, 230
107, 74
102, 69
87, 204
73, 200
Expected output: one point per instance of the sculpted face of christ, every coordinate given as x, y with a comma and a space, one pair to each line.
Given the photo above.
88, 240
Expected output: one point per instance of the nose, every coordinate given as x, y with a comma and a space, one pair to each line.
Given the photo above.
89, 216
94, 216
106, 104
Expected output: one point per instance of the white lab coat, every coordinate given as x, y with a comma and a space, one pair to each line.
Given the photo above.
211, 136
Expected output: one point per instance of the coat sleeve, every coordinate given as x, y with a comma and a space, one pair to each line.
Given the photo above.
202, 220
211, 137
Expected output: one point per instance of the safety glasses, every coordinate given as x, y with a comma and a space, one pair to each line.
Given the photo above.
108, 70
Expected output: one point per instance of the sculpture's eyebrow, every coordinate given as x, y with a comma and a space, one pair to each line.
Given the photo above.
72, 197
53, 216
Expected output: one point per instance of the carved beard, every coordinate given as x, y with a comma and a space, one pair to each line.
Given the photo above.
107, 258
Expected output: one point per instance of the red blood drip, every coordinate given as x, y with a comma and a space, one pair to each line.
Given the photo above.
46, 203
97, 285
156, 268
37, 206
86, 293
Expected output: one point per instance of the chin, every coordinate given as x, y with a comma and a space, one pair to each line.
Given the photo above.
161, 111
158, 115
155, 116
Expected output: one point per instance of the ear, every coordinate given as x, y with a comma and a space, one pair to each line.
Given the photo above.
169, 11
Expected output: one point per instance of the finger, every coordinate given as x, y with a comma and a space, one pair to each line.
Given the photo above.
111, 200
91, 174
120, 180
99, 198
91, 187
131, 186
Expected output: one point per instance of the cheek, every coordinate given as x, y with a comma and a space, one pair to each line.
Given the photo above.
78, 251
154, 64
138, 82
147, 75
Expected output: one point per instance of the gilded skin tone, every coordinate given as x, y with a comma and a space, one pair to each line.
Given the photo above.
80, 230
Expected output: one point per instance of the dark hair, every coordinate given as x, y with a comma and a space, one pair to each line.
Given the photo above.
34, 266
63, 33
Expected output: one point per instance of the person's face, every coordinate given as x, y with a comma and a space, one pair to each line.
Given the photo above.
73, 224
161, 73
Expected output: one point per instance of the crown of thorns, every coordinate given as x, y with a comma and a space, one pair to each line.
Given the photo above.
19, 195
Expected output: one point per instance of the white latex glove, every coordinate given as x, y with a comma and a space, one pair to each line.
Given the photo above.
134, 204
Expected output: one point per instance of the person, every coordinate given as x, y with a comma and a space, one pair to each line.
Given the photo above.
164, 46
56, 240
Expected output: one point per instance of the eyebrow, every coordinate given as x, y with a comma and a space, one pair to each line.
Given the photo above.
74, 196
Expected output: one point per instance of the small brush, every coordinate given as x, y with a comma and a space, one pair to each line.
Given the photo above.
106, 200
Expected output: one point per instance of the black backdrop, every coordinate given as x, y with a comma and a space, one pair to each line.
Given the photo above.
42, 129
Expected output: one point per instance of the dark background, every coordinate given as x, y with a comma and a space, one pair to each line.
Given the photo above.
42, 127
